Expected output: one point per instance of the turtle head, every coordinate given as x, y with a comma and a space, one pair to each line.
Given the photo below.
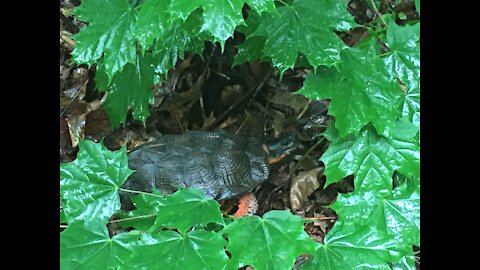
278, 148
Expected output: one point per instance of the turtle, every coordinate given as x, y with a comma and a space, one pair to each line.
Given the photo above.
221, 164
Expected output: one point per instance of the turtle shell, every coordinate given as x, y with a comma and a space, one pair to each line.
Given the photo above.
221, 164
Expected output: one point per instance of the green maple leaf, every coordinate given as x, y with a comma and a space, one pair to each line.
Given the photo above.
397, 214
129, 88
195, 207
162, 212
195, 250
153, 22
406, 263
109, 33
89, 185
252, 48
372, 158
411, 104
147, 207
179, 37
403, 60
87, 245
261, 6
305, 26
271, 242
406, 141
360, 92
356, 247
220, 17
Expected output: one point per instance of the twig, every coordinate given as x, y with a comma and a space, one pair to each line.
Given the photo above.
74, 97
307, 153
378, 12
230, 110
202, 108
179, 122
304, 110
244, 121
319, 218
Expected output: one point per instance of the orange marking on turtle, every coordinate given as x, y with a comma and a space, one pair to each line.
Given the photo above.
247, 206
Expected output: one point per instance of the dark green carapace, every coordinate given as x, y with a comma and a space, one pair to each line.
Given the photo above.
222, 164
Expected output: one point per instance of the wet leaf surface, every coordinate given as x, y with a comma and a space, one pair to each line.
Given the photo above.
89, 184
98, 249
201, 91
279, 233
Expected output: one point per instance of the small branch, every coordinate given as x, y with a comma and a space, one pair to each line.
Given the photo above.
232, 108
304, 110
63, 226
307, 153
378, 12
204, 72
319, 218
74, 97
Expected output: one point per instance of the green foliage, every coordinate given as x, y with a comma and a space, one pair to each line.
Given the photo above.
196, 210
279, 234
87, 245
375, 99
355, 247
147, 207
180, 37
193, 250
372, 159
372, 230
397, 215
406, 263
361, 93
109, 34
305, 26
403, 62
89, 185
139, 77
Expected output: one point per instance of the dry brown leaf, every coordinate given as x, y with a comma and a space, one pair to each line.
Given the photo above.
280, 99
304, 184
97, 124
322, 224
76, 121
65, 141
181, 102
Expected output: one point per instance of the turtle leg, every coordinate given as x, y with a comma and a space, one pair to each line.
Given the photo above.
247, 205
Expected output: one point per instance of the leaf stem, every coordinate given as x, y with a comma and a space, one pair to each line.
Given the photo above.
131, 218
378, 12
140, 192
